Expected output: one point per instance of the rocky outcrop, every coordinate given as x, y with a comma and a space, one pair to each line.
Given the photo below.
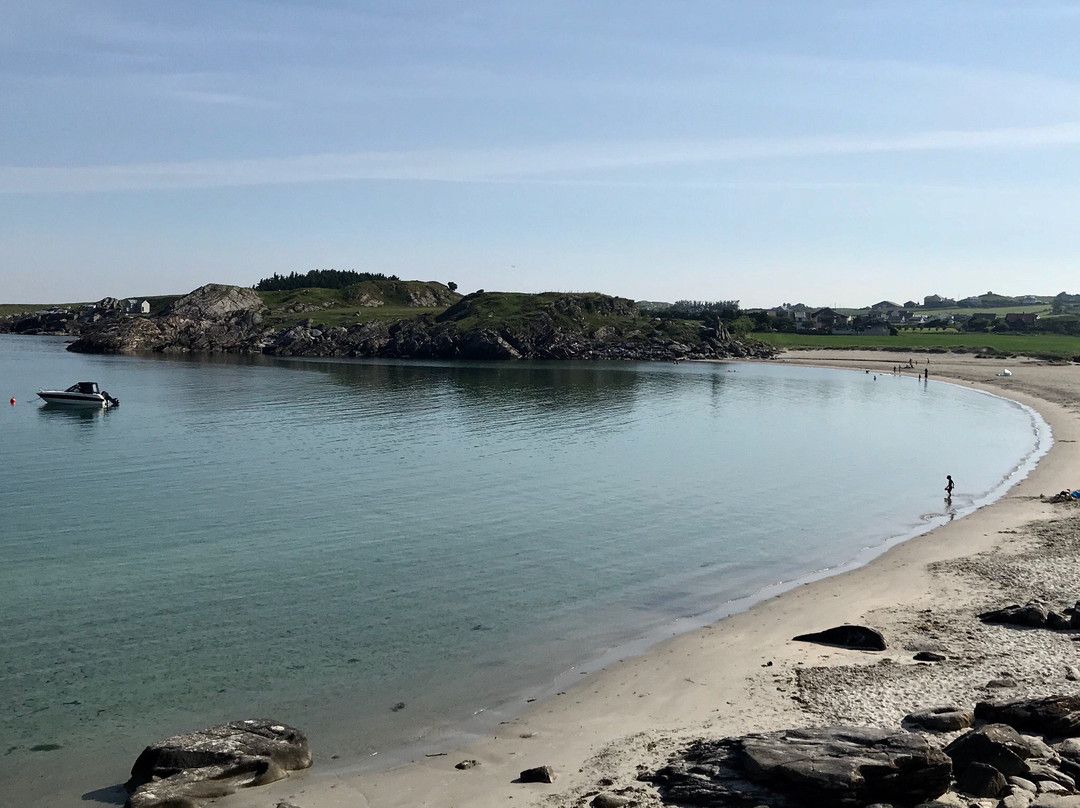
1057, 716
213, 318
835, 766
184, 770
1035, 614
216, 301
947, 718
217, 318
1026, 755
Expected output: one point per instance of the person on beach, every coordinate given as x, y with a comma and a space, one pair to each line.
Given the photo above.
949, 487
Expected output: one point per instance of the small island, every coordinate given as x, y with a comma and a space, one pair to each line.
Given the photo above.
380, 317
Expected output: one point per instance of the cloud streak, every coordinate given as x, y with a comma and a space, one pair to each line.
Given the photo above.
558, 162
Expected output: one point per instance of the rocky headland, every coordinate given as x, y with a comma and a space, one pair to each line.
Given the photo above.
485, 325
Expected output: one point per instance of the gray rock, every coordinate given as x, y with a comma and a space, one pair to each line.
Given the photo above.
215, 301
981, 780
1017, 799
857, 637
1031, 615
1055, 801
541, 774
1023, 783
1043, 773
834, 766
467, 764
185, 769
608, 801
948, 718
1052, 787
1069, 748
1057, 716
929, 656
996, 745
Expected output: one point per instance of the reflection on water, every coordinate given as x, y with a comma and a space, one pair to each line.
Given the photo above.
73, 412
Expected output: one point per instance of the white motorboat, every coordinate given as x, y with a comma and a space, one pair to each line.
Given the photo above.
80, 393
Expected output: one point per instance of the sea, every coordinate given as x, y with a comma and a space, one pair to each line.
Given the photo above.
395, 555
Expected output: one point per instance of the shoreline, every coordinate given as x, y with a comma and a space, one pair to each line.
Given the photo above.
741, 674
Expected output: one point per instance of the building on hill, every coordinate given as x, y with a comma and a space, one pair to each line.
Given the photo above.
898, 317
1014, 318
828, 318
911, 304
884, 305
137, 306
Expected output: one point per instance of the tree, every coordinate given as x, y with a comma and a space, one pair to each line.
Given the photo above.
452, 286
742, 326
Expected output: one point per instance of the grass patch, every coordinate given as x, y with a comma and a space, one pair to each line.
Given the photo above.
1041, 345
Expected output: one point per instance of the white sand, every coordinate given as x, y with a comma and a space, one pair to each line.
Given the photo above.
922, 594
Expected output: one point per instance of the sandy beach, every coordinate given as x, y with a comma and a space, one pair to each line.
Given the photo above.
744, 674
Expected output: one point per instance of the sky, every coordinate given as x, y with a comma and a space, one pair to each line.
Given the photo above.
820, 151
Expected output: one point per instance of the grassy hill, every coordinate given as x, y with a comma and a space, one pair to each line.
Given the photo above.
367, 300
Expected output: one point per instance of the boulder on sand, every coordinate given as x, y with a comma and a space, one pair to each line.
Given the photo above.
859, 638
185, 769
834, 766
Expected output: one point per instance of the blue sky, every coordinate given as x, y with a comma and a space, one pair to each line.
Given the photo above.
835, 153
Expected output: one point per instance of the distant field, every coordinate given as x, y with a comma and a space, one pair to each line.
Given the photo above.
19, 308
1031, 344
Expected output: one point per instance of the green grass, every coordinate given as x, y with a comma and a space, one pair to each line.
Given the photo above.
348, 315
1051, 345
7, 309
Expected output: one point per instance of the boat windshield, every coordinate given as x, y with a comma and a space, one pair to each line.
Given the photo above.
83, 387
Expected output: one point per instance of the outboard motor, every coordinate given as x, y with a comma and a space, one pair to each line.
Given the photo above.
113, 402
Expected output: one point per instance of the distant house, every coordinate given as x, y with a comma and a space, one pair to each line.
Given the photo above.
1021, 318
981, 318
876, 330
134, 306
884, 305
829, 318
898, 317
911, 304
1030, 300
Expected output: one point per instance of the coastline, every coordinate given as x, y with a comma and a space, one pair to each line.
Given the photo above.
743, 674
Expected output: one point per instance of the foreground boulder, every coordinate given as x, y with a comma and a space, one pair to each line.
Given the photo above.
1056, 716
184, 770
833, 766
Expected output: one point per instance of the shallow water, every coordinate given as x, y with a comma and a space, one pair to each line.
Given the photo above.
324, 541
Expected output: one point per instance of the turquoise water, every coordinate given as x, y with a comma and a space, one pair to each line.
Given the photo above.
322, 541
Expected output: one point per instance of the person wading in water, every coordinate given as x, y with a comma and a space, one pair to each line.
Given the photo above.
949, 488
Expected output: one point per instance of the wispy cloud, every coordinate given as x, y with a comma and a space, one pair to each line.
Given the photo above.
560, 162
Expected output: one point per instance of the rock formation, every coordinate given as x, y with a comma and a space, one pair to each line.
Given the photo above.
184, 770
859, 638
1025, 754
835, 766
217, 318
